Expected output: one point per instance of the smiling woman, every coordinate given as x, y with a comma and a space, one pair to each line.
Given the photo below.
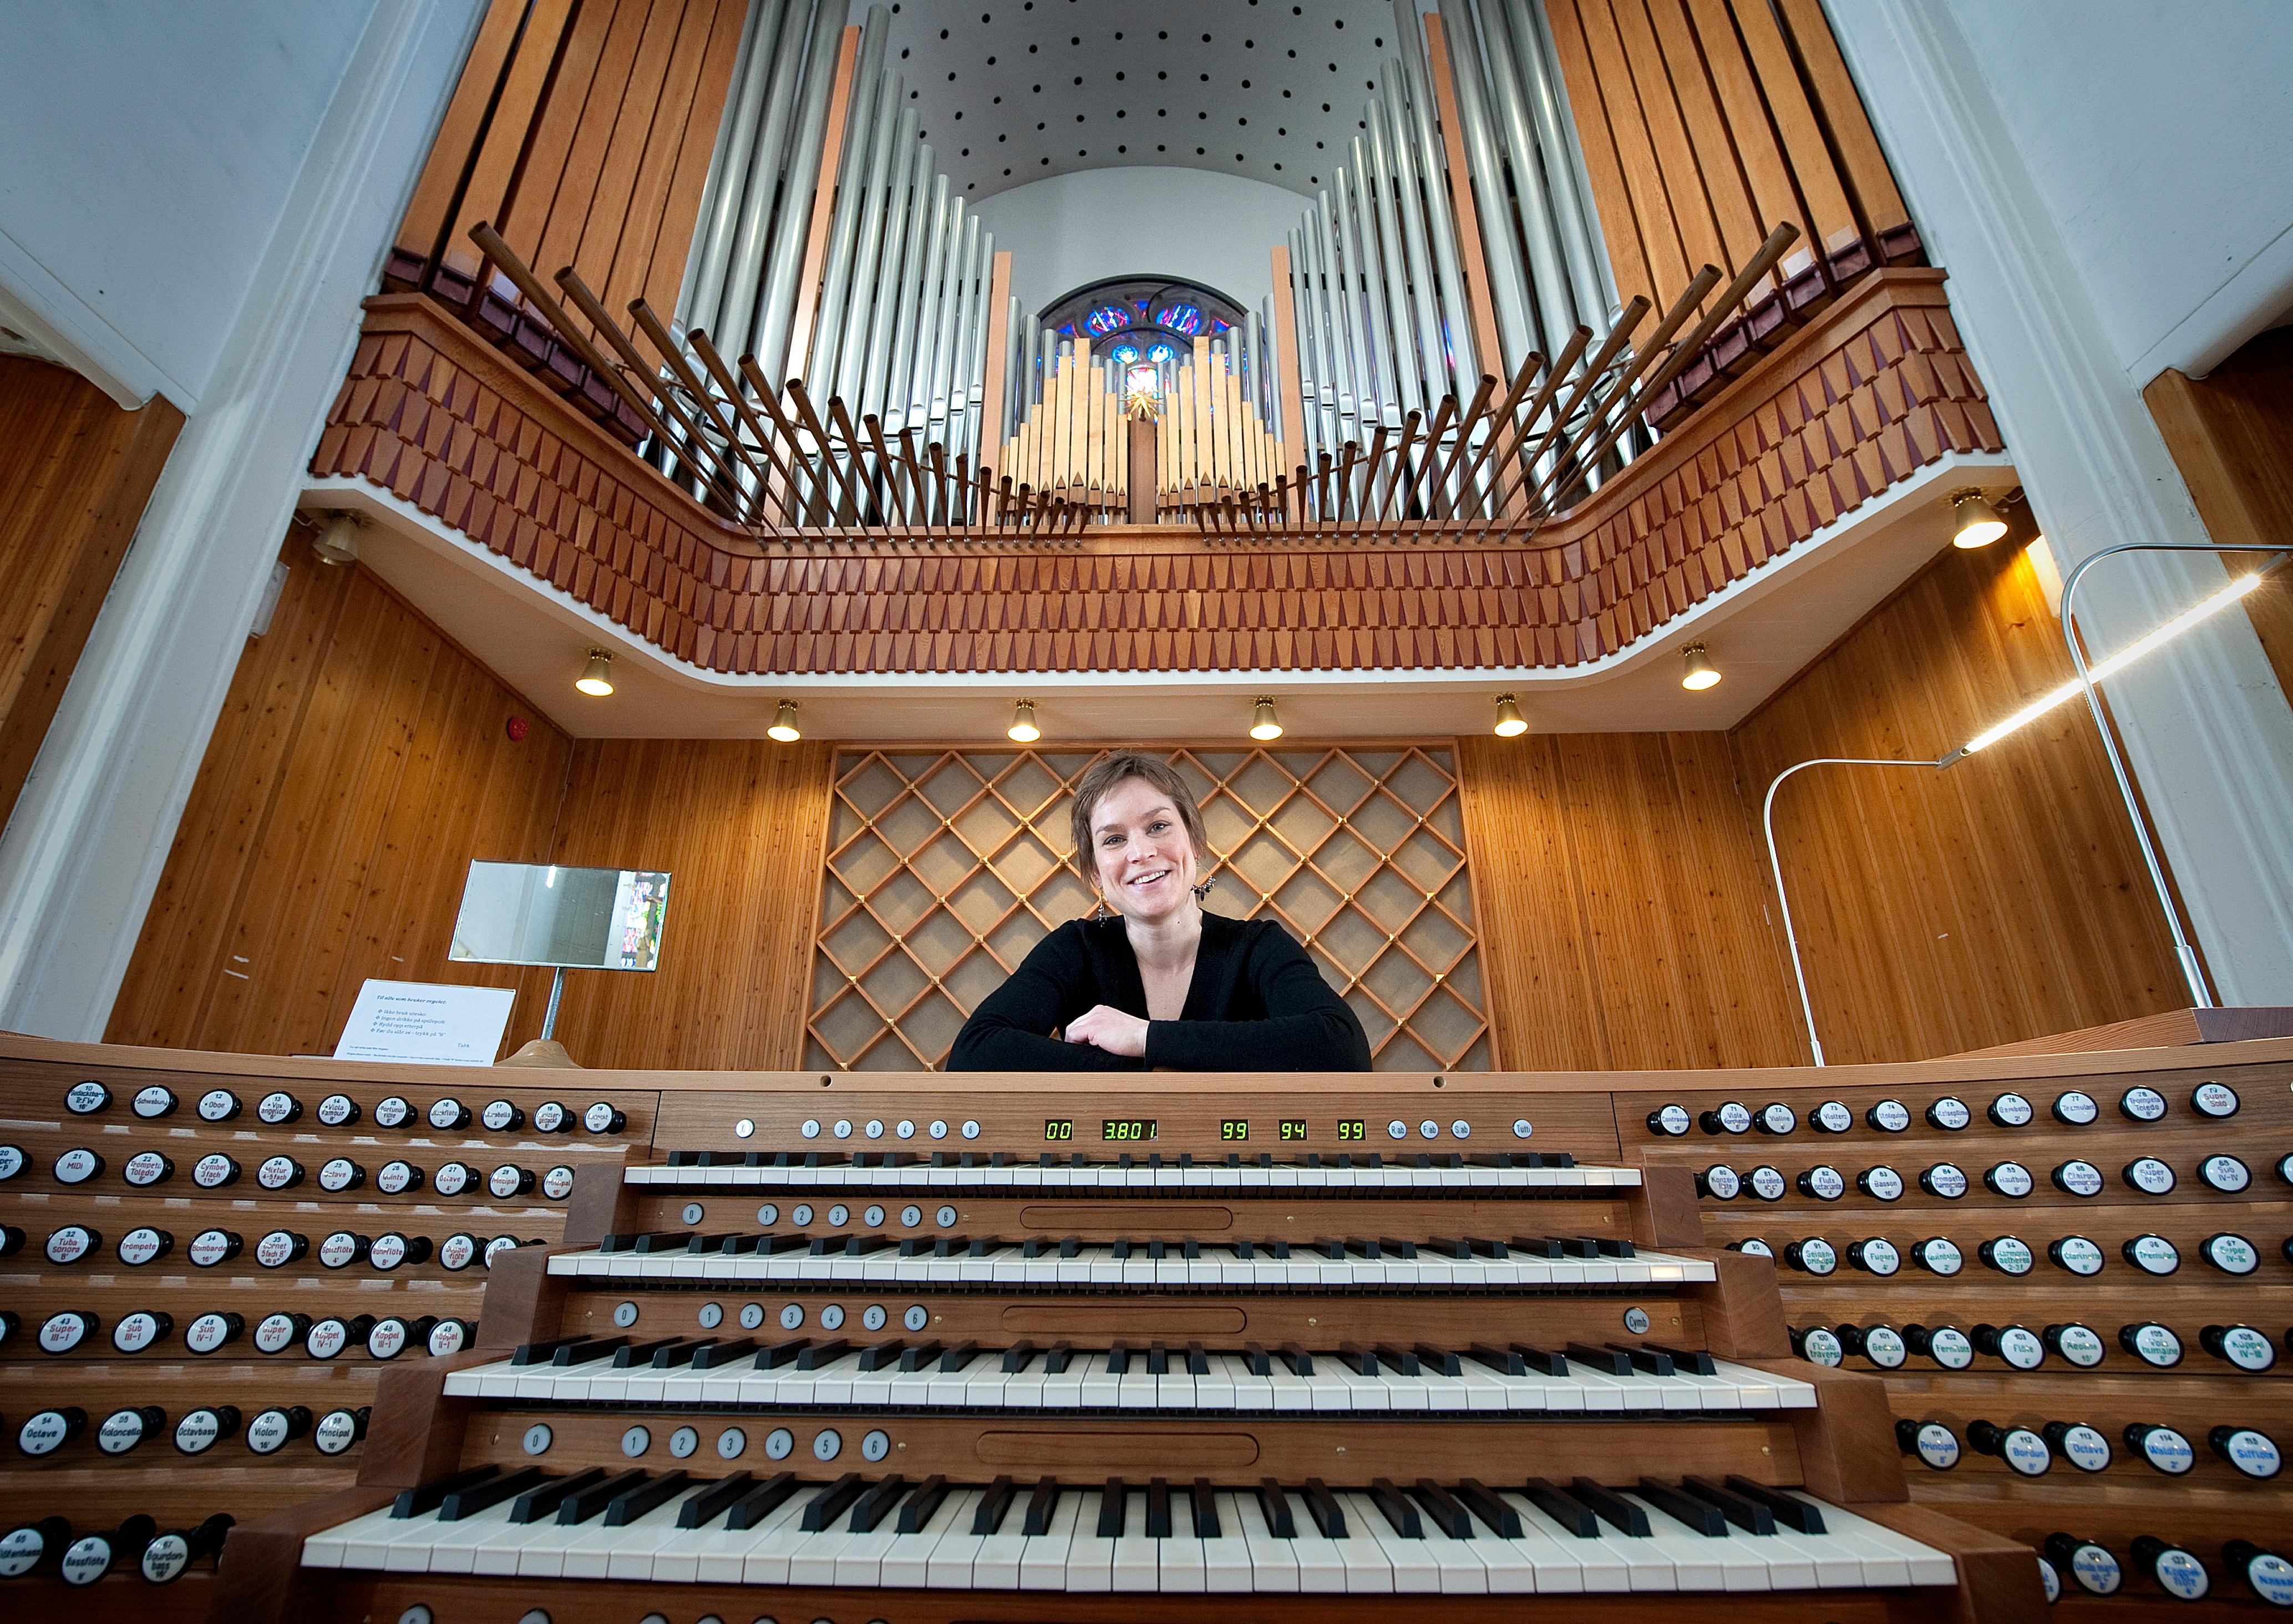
1151, 981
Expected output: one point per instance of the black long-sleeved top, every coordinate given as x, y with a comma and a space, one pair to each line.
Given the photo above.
1256, 1004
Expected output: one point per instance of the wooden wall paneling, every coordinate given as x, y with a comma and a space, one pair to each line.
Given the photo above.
1597, 139
1711, 143
465, 111
497, 175
76, 474
1664, 108
1862, 164
1676, 934
733, 821
2232, 436
1795, 122
1774, 198
361, 761
1536, 970
1939, 913
1645, 208
667, 207
581, 122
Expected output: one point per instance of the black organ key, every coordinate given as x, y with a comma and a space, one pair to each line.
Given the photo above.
630, 1504
428, 1497
816, 1355
1694, 1361
956, 1357
1541, 1360
540, 1504
824, 1507
1439, 1361
1447, 1514
1753, 1516
1276, 1504
1395, 1360
1113, 1497
1564, 1508
631, 1355
1357, 1358
995, 1505
1535, 1245
778, 1354
919, 1356
1607, 1361
1704, 1519
920, 1506
1395, 1508
879, 1355
1619, 1512
716, 1356
1502, 1361
1205, 1510
1158, 1360
1158, 1508
581, 1352
1056, 1360
1322, 1506
1021, 1353
1653, 1361
1118, 1360
761, 1501
1042, 1505
1792, 1512
1501, 1519
713, 1501
874, 1505
1300, 1361
591, 1500
1198, 1359
1256, 1358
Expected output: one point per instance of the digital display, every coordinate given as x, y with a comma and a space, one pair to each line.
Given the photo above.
1060, 1129
1293, 1128
1233, 1130
1352, 1129
1129, 1129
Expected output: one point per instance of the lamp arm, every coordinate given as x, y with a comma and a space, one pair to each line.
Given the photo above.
2183, 950
1775, 867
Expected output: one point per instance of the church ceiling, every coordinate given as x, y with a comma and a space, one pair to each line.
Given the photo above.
1013, 91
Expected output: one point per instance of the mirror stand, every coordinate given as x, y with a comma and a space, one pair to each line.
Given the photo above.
546, 1050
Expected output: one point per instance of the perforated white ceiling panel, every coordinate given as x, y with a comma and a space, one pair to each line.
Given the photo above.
1013, 91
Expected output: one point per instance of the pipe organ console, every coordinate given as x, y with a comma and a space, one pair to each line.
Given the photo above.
206, 1262
1929, 1340
939, 1348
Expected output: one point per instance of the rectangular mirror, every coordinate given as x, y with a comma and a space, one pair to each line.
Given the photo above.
579, 919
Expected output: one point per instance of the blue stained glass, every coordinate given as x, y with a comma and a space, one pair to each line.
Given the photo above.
1108, 318
1161, 354
1126, 353
1186, 319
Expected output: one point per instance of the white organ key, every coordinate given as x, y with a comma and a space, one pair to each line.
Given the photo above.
776, 1539
1416, 1571
1090, 1555
1699, 1563
945, 1565
1000, 1562
1137, 1556
1367, 1570
1182, 1554
1274, 1564
1567, 1563
1227, 1565
628, 1550
330, 1546
1043, 1557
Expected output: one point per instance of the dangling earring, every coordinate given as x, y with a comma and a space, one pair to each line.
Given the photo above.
1099, 911
1203, 889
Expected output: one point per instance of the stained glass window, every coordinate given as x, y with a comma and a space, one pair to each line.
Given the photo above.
1131, 318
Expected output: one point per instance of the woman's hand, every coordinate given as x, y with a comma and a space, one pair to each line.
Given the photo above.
1104, 1027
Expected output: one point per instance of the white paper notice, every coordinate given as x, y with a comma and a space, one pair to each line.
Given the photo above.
430, 1025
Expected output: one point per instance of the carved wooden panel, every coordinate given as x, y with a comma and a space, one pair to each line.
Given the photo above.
944, 868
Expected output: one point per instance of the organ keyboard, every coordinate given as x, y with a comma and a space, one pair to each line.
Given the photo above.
760, 1378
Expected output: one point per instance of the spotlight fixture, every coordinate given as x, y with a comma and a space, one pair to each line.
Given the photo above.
1023, 729
1511, 723
783, 727
1974, 522
1701, 672
1262, 724
597, 679
336, 542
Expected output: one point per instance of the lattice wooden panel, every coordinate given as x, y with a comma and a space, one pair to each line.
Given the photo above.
944, 868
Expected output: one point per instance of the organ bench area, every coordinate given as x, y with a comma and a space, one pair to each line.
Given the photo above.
919, 1348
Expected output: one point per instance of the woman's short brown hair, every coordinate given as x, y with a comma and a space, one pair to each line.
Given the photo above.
1112, 769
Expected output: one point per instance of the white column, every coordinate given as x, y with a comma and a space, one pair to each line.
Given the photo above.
2208, 730
83, 849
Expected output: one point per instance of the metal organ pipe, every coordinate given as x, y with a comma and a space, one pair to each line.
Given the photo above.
1557, 310
1364, 321
897, 275
1426, 159
745, 274
880, 209
784, 263
1508, 283
1389, 264
720, 204
1580, 239
1432, 357
867, 128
